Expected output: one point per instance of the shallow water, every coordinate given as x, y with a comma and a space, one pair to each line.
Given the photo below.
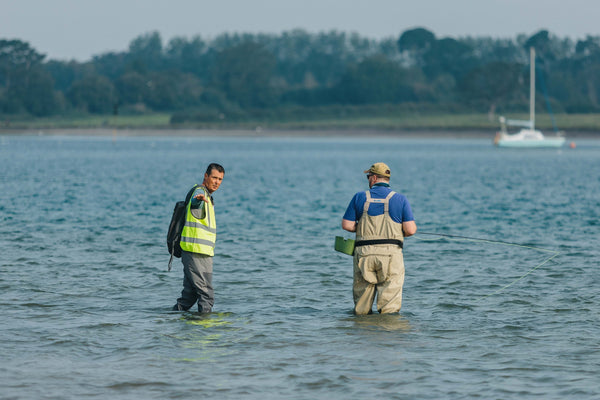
85, 294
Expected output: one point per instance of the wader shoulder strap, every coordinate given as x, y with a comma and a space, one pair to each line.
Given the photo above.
378, 241
386, 204
367, 202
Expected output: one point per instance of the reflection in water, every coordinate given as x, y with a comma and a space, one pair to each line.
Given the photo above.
385, 322
205, 338
291, 333
209, 320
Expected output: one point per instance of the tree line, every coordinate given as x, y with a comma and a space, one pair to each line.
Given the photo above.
234, 76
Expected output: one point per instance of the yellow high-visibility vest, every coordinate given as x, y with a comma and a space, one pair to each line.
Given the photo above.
200, 235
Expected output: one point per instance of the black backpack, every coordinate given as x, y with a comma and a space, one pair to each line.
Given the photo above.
176, 226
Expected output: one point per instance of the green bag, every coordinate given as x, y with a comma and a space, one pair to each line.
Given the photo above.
345, 246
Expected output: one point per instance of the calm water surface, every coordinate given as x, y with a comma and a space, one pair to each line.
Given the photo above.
85, 293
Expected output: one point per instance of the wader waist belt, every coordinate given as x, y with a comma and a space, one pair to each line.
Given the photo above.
378, 241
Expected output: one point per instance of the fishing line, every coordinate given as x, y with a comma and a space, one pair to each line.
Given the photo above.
554, 253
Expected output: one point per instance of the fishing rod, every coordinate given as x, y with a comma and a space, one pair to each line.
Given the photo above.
554, 253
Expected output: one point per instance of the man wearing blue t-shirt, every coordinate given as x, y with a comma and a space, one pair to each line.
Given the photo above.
381, 219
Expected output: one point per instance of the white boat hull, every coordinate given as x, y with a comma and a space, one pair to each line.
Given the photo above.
527, 138
555, 142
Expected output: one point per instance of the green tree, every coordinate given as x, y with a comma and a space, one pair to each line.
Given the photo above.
65, 73
27, 87
577, 82
375, 80
111, 64
132, 88
40, 98
491, 84
541, 43
173, 90
244, 73
589, 48
448, 56
488, 50
549, 48
189, 56
415, 43
94, 94
417, 39
588, 60
146, 53
17, 57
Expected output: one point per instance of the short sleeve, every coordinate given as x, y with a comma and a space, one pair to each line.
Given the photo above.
407, 214
355, 208
400, 210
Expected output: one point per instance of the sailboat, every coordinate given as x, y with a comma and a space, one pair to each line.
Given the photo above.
528, 136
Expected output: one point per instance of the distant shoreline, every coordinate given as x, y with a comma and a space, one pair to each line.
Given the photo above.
424, 133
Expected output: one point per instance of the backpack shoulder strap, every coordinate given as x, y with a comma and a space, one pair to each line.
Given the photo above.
188, 196
190, 193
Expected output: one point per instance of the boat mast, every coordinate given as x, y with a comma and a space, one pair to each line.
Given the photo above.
532, 87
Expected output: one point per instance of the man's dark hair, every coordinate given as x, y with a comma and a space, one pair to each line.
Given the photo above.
216, 166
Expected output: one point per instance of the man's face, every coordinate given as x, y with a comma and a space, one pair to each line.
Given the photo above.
213, 181
372, 179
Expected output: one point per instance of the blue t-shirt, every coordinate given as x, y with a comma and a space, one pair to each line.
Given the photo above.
399, 208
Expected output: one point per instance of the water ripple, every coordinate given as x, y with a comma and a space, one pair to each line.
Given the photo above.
85, 293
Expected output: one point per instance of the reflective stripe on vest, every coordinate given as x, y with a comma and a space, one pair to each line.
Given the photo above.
199, 235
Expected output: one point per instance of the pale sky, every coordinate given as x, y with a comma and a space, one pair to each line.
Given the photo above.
79, 29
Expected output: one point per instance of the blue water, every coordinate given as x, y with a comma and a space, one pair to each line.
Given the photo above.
85, 293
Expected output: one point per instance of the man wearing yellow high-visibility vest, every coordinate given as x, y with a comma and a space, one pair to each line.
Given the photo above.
198, 244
